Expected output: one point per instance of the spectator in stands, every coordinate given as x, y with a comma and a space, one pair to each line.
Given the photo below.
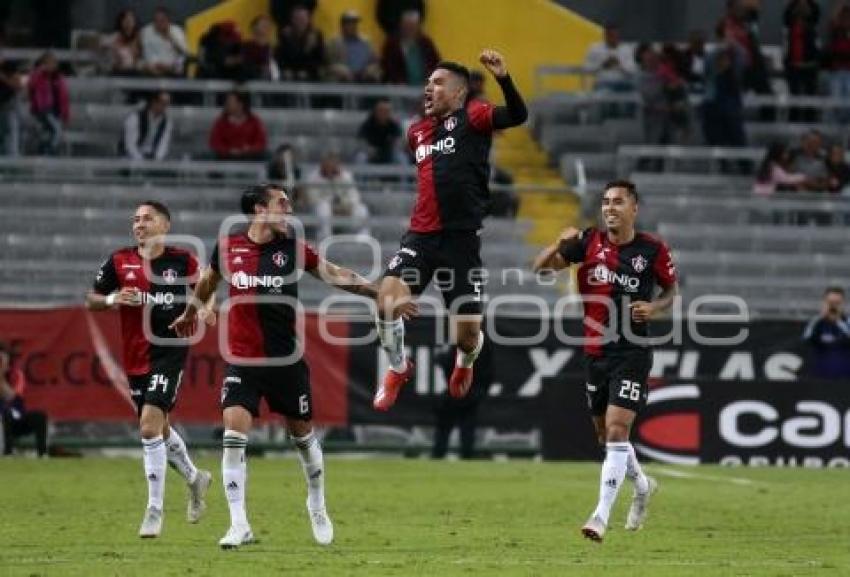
774, 173
11, 91
49, 103
664, 96
238, 134
409, 56
389, 13
16, 419
612, 63
164, 49
380, 135
351, 57
838, 57
809, 160
331, 192
692, 67
828, 335
123, 46
740, 25
281, 10
220, 53
723, 107
147, 132
838, 171
301, 48
258, 53
802, 55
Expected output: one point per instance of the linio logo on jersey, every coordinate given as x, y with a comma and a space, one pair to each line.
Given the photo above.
748, 423
601, 274
444, 146
241, 280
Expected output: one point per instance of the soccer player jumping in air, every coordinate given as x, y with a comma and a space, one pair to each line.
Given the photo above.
149, 279
452, 148
618, 272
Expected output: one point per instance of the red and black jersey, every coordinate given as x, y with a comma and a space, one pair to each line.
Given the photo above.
258, 328
164, 284
452, 162
610, 277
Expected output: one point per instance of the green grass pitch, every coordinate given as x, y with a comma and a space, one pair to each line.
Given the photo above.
415, 517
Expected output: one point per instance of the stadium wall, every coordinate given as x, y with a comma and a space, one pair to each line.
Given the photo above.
744, 403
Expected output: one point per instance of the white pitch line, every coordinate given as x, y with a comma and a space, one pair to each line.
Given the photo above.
686, 475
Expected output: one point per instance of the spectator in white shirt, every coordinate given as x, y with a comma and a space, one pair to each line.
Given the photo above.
163, 46
147, 132
611, 62
331, 191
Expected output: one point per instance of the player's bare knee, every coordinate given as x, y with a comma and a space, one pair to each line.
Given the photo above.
298, 428
617, 432
149, 430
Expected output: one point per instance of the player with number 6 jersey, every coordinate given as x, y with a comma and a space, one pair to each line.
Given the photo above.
262, 265
151, 280
619, 272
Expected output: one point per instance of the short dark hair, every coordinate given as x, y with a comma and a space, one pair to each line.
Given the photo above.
162, 10
834, 290
455, 68
242, 97
155, 95
257, 194
159, 207
630, 187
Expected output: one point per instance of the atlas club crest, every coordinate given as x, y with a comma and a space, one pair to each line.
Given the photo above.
279, 259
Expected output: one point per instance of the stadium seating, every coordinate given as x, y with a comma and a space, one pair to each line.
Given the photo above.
778, 253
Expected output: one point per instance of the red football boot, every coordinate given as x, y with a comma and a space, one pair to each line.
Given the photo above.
387, 393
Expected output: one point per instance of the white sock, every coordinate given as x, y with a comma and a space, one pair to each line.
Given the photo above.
154, 458
391, 334
613, 473
466, 360
635, 473
234, 475
178, 456
312, 461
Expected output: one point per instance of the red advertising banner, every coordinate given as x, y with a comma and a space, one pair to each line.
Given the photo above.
71, 361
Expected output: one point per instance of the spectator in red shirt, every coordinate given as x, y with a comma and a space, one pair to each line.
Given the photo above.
49, 104
17, 420
409, 56
238, 134
838, 56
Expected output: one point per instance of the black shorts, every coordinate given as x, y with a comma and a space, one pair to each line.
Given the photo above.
158, 387
286, 389
452, 259
618, 379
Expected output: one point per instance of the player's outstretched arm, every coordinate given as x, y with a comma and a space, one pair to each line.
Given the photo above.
551, 257
184, 325
514, 112
349, 281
